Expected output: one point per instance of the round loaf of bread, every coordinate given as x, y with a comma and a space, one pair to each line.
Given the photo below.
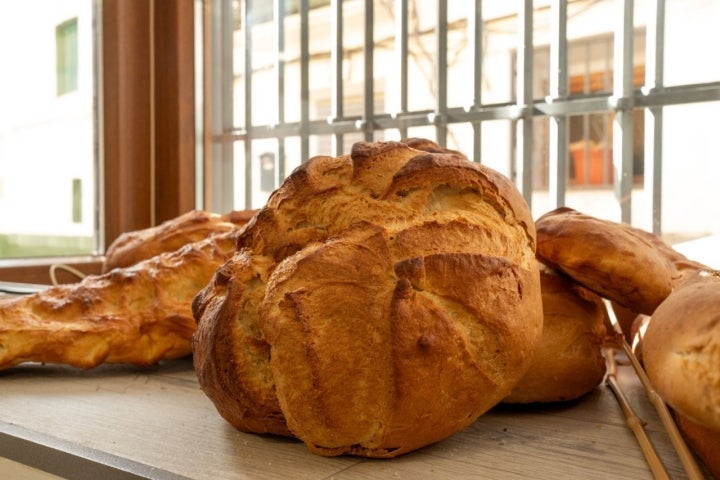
569, 362
380, 302
704, 442
681, 349
627, 265
132, 247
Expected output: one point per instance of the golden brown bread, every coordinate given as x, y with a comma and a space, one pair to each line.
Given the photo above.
681, 349
627, 265
380, 302
137, 315
569, 362
131, 247
704, 442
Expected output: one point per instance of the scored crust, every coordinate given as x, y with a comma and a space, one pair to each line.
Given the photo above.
385, 298
444, 350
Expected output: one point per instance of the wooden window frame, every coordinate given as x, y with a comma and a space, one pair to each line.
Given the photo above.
147, 96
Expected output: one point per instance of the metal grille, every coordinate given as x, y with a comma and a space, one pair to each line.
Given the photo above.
620, 101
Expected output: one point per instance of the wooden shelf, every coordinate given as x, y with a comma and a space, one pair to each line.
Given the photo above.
139, 422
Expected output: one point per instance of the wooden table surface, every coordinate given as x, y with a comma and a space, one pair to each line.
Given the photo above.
125, 422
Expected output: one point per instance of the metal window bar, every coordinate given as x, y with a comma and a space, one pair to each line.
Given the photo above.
336, 58
401, 51
305, 130
279, 67
248, 89
475, 27
441, 104
524, 95
622, 103
557, 106
654, 67
219, 62
368, 121
558, 130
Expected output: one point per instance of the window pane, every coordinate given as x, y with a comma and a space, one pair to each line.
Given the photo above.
449, 72
47, 133
66, 46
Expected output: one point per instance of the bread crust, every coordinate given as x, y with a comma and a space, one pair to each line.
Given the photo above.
377, 276
704, 442
132, 247
360, 353
627, 265
681, 349
569, 362
238, 380
136, 315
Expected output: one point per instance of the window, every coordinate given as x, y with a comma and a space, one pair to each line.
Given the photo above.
77, 200
590, 158
572, 111
142, 169
117, 162
66, 47
48, 132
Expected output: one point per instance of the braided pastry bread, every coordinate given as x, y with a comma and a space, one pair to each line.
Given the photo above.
131, 247
139, 314
380, 302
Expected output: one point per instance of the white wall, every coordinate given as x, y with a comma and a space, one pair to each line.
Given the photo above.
45, 140
691, 156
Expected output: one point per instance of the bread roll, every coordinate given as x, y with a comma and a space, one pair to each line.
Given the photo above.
703, 441
380, 302
131, 247
681, 349
569, 362
627, 265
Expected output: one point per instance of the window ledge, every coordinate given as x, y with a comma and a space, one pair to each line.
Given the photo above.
38, 270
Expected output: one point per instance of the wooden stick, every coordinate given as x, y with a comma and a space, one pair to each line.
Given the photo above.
686, 457
635, 423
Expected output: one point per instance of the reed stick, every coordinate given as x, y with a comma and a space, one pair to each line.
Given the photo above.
635, 423
686, 456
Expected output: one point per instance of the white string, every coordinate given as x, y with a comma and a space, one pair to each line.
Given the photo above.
67, 268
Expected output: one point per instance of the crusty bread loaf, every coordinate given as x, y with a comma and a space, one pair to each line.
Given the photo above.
681, 349
627, 265
139, 315
704, 442
131, 247
380, 302
569, 362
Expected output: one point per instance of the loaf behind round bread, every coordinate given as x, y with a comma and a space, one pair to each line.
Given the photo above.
380, 302
569, 362
193, 226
